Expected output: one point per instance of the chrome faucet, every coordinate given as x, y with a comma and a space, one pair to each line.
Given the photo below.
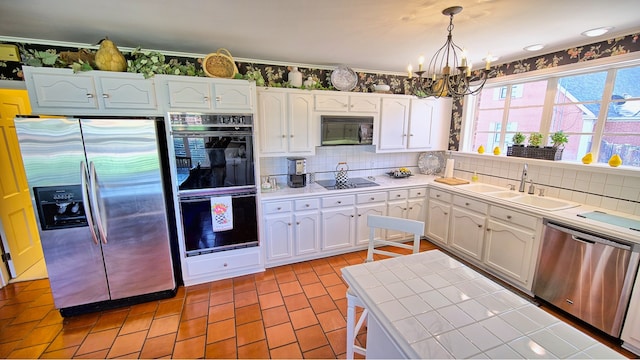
523, 179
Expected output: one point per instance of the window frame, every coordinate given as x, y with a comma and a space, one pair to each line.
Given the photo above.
552, 75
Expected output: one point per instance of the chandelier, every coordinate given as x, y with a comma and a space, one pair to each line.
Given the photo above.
445, 76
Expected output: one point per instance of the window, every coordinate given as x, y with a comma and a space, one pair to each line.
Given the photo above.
599, 110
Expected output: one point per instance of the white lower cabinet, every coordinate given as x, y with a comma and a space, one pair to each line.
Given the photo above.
338, 227
362, 229
500, 240
279, 231
630, 330
292, 228
467, 226
306, 229
438, 215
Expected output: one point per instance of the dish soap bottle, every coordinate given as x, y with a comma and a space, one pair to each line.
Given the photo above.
474, 178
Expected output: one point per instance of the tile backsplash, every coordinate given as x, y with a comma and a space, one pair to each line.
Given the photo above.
600, 186
362, 162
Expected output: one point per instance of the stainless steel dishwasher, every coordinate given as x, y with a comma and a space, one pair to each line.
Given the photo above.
586, 275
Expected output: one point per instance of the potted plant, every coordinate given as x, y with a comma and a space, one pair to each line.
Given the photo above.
535, 139
559, 138
517, 149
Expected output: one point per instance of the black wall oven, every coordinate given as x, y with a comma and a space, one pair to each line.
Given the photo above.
216, 178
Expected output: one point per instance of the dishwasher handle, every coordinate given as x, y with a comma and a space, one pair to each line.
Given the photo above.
588, 238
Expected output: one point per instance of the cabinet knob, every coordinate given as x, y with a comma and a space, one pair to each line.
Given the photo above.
339, 202
284, 136
306, 205
411, 208
352, 216
345, 105
289, 224
405, 209
446, 213
437, 195
278, 208
509, 217
419, 193
467, 204
404, 135
398, 195
89, 96
410, 134
479, 226
205, 98
297, 222
225, 264
359, 215
105, 96
218, 98
372, 198
488, 229
291, 135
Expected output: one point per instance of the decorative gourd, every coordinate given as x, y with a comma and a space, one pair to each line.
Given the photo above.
109, 58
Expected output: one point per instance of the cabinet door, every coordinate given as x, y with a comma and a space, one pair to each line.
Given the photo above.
362, 230
467, 232
307, 233
365, 103
393, 124
127, 93
189, 94
272, 123
421, 124
509, 250
415, 209
332, 102
396, 209
279, 234
235, 97
338, 228
301, 126
438, 221
61, 91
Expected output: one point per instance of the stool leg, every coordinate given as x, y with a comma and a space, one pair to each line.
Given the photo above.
351, 323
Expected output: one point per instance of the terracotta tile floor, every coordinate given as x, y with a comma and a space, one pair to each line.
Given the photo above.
292, 311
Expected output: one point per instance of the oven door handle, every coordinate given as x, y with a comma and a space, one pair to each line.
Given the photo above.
86, 203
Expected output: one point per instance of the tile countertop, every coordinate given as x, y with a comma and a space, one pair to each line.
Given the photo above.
566, 217
432, 306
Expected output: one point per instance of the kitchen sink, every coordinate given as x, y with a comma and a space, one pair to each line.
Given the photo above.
505, 194
543, 202
481, 188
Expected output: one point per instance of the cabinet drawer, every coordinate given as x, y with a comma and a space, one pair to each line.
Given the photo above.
440, 195
307, 204
420, 192
513, 217
397, 194
335, 201
372, 197
210, 263
470, 204
277, 207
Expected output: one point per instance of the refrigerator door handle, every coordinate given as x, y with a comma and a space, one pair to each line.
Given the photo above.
94, 201
85, 201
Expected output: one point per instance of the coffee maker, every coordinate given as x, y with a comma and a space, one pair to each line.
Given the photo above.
297, 172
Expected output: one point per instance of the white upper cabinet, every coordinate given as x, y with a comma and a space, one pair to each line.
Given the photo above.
61, 92
414, 124
342, 102
286, 123
181, 93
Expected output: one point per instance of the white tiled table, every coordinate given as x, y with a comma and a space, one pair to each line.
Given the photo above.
429, 305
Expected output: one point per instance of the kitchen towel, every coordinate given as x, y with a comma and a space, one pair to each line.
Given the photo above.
448, 170
221, 213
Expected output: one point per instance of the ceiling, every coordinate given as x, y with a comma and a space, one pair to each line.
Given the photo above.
371, 35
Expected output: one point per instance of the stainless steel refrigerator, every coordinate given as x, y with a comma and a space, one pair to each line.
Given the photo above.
97, 188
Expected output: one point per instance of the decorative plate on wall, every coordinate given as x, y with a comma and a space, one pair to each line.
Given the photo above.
431, 163
343, 78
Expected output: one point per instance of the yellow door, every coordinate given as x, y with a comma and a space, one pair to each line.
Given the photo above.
18, 226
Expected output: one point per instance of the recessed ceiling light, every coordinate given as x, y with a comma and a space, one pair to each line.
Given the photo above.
491, 58
598, 31
535, 47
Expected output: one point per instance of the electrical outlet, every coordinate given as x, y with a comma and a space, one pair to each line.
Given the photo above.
9, 53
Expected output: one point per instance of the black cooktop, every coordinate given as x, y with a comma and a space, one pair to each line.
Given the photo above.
352, 184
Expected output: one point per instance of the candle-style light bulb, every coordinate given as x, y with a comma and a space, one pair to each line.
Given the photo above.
463, 62
410, 70
420, 62
488, 64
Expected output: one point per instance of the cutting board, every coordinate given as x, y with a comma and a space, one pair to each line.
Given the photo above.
451, 181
